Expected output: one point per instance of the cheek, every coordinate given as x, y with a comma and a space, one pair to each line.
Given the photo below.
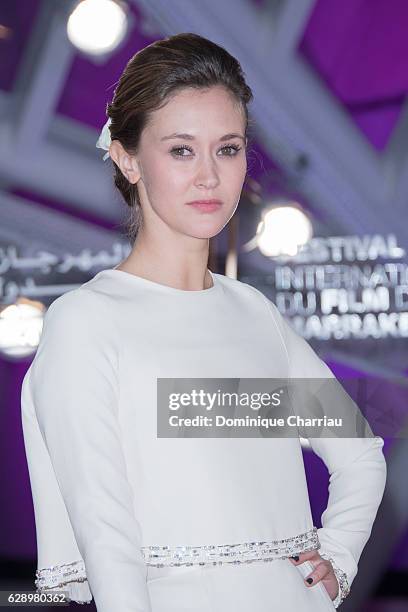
234, 174
167, 178
167, 187
158, 181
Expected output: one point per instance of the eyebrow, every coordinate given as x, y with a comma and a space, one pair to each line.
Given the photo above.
191, 137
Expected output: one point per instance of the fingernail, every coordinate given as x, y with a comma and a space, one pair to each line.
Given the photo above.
296, 558
309, 580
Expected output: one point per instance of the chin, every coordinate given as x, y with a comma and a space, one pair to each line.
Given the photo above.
203, 226
204, 232
204, 235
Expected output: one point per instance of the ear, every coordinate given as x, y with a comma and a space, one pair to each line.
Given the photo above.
127, 163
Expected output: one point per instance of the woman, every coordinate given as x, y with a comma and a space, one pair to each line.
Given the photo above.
143, 523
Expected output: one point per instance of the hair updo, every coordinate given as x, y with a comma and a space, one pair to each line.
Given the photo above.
150, 77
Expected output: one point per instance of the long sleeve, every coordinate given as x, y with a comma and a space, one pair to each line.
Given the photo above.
357, 471
74, 388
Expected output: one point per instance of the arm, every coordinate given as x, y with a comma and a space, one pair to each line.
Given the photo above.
356, 467
74, 388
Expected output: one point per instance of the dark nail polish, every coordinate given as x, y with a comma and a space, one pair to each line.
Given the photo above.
296, 558
309, 580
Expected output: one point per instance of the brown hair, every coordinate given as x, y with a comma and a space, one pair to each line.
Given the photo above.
150, 77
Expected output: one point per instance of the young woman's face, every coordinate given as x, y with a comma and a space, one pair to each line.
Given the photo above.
207, 162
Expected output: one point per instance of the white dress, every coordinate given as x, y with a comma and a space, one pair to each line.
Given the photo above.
106, 488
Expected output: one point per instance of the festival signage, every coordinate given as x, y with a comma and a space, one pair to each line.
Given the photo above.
342, 287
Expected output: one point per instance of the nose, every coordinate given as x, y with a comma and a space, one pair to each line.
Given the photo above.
207, 175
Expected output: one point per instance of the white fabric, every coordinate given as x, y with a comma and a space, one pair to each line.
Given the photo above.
104, 485
256, 587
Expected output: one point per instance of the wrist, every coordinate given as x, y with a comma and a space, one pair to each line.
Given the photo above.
342, 580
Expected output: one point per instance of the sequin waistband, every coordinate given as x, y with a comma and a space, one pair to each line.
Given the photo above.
160, 556
57, 576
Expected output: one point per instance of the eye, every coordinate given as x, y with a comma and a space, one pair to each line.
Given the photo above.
233, 147
175, 150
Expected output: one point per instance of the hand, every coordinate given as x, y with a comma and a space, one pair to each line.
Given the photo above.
323, 571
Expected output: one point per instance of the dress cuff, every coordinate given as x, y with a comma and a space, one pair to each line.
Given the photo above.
68, 577
344, 588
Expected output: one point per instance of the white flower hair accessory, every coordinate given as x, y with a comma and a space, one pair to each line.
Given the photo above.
104, 139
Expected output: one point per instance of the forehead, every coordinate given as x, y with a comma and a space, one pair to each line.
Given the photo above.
198, 110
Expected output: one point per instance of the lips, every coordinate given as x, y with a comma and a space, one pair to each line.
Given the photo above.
206, 205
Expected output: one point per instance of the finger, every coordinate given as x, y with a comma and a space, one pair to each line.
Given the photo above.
311, 555
320, 571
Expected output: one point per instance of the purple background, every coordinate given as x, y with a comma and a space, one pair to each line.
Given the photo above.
351, 44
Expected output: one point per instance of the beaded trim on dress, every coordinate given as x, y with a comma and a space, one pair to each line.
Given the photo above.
69, 577
247, 552
72, 576
344, 588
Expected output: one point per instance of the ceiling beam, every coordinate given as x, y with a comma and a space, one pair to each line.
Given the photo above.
295, 113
